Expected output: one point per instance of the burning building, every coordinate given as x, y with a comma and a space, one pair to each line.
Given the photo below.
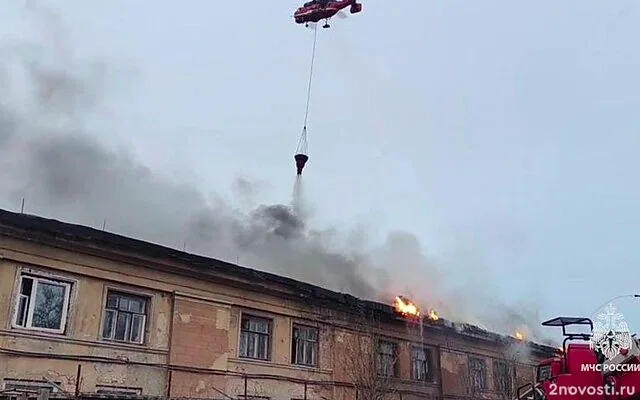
85, 313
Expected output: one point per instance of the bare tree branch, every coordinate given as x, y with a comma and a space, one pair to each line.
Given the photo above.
364, 365
505, 373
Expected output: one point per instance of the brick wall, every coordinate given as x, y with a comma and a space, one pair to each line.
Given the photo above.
455, 373
200, 338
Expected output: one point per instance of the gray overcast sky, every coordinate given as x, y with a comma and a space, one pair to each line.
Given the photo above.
503, 134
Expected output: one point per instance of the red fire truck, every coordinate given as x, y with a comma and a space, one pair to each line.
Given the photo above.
579, 371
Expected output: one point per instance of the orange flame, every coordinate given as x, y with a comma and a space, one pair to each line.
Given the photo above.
433, 315
519, 336
406, 307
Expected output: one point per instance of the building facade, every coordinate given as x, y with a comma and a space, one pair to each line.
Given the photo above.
85, 312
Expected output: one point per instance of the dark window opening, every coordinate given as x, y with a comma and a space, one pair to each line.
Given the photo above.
387, 355
477, 374
503, 378
422, 364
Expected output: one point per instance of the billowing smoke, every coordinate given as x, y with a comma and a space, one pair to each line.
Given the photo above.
518, 351
52, 160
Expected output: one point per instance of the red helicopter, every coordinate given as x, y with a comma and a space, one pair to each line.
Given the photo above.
316, 10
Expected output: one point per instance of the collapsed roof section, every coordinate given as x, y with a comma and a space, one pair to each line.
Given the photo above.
105, 244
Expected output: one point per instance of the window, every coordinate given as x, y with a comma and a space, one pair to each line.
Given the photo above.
477, 374
42, 304
502, 377
421, 363
255, 338
249, 397
304, 349
125, 317
387, 352
29, 385
544, 373
117, 390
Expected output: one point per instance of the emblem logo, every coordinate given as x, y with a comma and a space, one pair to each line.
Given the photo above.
610, 333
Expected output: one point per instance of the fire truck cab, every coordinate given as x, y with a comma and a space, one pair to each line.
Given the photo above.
579, 371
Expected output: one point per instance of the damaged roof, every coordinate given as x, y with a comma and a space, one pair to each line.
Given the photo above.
82, 238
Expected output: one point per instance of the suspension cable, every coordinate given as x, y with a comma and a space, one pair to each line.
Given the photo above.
313, 57
302, 143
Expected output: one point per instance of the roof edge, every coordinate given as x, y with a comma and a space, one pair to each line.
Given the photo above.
50, 232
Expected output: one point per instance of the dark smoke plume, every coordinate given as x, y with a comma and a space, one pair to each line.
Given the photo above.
51, 158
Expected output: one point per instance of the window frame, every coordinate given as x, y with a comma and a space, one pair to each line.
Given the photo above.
269, 335
37, 385
144, 330
508, 375
483, 374
429, 362
396, 349
315, 346
38, 277
118, 390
